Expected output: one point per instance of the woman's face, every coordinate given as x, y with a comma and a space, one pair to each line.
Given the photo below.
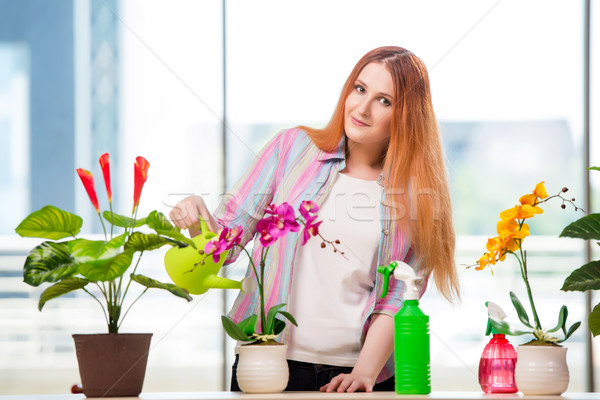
369, 106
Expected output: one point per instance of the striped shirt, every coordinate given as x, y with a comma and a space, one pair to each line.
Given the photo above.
291, 168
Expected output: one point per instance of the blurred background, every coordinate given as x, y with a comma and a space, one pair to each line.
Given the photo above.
198, 87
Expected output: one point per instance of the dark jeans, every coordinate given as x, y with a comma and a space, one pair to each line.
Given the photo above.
310, 377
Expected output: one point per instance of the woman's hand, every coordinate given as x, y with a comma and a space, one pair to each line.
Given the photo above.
185, 215
349, 383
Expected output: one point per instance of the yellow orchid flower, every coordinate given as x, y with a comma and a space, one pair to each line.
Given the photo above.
520, 212
540, 190
528, 199
511, 229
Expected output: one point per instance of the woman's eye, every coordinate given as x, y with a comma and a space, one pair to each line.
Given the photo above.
385, 101
359, 89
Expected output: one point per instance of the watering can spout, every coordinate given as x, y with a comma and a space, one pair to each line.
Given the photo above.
196, 272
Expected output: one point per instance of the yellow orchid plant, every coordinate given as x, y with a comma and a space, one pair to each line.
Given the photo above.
512, 230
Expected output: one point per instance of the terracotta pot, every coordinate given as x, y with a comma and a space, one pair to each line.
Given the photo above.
542, 370
112, 364
263, 368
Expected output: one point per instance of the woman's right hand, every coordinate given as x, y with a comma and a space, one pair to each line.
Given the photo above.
185, 215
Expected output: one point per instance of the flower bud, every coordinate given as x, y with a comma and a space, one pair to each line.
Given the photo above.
323, 245
564, 190
563, 206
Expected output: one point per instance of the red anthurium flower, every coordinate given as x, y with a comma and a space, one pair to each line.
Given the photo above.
88, 183
140, 174
106, 172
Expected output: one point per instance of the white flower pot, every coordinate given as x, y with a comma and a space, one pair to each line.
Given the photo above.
262, 368
542, 370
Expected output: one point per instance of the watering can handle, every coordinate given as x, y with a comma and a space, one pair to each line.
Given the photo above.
203, 225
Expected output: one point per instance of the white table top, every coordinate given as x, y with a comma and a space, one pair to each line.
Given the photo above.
312, 396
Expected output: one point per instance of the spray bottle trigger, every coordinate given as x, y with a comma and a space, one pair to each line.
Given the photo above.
386, 270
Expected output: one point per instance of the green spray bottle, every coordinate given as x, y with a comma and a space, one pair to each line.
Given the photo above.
411, 333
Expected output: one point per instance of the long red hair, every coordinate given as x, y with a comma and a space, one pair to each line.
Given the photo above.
416, 185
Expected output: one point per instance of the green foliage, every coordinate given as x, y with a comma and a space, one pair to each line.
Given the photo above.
60, 288
72, 265
586, 277
538, 332
49, 262
122, 221
246, 330
50, 222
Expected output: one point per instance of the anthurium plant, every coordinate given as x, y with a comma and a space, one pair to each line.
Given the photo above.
104, 269
279, 220
587, 277
512, 231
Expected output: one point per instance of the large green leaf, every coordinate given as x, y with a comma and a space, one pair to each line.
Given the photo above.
96, 251
523, 317
58, 289
584, 278
289, 317
594, 320
151, 283
50, 222
122, 221
108, 269
162, 226
149, 241
587, 227
48, 262
233, 330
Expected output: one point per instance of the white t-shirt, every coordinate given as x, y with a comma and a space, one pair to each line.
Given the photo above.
329, 291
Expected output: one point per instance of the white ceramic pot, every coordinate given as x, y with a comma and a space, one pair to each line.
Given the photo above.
262, 368
542, 370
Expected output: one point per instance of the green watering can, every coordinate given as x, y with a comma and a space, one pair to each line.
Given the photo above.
197, 272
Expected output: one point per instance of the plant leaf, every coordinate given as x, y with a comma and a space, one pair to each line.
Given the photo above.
50, 222
122, 221
268, 327
96, 251
60, 288
107, 270
151, 283
149, 241
587, 227
523, 317
162, 226
594, 320
562, 320
48, 262
278, 326
587, 277
233, 330
594, 168
248, 326
504, 328
571, 330
289, 317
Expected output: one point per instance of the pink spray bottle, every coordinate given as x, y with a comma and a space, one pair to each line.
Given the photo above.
497, 364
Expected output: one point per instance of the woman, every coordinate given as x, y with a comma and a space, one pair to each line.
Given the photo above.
377, 173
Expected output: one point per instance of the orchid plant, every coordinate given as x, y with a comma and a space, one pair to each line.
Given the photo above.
512, 230
279, 220
98, 264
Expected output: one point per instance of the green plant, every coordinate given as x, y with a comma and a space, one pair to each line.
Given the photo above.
83, 264
586, 277
512, 230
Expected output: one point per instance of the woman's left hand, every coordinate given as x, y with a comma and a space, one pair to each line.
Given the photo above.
349, 383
